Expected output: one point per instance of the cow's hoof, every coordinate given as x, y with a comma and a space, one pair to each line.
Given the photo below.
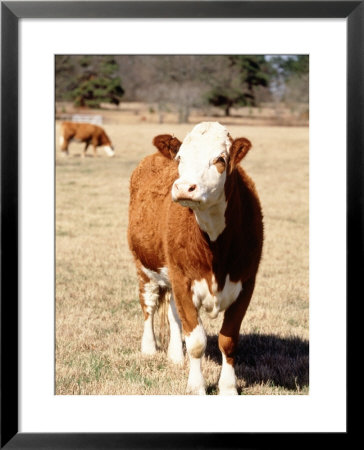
195, 390
178, 361
149, 352
149, 348
228, 390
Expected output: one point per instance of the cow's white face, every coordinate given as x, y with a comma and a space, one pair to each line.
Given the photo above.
202, 162
109, 150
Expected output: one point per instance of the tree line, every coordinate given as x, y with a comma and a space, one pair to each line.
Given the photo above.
183, 81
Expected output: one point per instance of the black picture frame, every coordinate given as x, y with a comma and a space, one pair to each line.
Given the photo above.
11, 12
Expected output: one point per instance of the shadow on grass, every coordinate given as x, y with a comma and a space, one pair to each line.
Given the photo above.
281, 362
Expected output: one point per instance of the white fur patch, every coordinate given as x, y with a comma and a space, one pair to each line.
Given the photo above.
160, 277
212, 220
148, 339
109, 151
215, 301
151, 296
195, 383
61, 140
211, 132
227, 381
200, 148
196, 344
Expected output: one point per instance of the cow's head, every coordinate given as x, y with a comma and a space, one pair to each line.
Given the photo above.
206, 157
109, 150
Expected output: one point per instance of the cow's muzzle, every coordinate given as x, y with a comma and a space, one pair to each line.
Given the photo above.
185, 193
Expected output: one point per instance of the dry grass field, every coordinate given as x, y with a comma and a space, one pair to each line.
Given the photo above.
98, 318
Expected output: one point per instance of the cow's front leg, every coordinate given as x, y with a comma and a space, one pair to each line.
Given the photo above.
229, 337
175, 350
64, 146
83, 154
195, 335
196, 345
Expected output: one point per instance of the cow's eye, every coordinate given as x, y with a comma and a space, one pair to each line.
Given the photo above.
220, 163
177, 158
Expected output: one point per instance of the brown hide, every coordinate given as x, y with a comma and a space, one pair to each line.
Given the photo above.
84, 132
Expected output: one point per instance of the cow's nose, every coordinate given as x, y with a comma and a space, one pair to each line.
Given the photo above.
185, 187
184, 190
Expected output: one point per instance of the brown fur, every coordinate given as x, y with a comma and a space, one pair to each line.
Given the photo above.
83, 132
165, 234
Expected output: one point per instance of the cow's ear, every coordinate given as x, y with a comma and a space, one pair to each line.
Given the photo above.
239, 148
167, 145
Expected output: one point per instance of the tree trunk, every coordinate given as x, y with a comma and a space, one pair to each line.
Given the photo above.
160, 113
183, 114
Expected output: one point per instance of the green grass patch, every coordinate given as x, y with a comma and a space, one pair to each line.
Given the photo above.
133, 375
99, 365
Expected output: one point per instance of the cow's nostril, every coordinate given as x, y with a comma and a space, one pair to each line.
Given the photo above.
192, 188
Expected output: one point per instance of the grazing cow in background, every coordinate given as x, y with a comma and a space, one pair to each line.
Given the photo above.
87, 133
196, 231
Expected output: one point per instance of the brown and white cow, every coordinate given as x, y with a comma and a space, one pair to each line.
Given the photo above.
196, 231
87, 133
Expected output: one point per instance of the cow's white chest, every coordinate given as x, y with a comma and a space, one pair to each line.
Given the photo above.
215, 301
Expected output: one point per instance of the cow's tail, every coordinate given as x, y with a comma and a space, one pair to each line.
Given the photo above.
163, 319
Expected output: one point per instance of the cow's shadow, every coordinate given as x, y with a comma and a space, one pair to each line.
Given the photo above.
261, 358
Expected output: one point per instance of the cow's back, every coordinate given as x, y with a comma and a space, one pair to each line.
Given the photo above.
150, 199
86, 131
81, 131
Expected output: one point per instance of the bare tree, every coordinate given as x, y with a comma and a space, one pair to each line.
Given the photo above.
173, 82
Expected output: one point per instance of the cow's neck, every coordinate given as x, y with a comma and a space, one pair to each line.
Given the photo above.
212, 220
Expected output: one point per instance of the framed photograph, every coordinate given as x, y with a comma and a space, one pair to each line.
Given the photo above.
64, 207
